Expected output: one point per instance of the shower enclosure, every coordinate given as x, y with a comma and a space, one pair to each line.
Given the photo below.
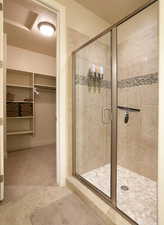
115, 115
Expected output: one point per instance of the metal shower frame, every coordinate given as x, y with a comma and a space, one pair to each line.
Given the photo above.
113, 30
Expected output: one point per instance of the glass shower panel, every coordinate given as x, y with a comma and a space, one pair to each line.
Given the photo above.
93, 113
137, 116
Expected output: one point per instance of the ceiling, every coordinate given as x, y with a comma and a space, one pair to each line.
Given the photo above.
21, 26
112, 10
23, 16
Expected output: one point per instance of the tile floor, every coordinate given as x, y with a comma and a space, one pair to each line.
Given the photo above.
140, 200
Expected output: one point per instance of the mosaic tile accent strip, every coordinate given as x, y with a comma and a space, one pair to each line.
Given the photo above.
148, 79
83, 80
140, 200
139, 81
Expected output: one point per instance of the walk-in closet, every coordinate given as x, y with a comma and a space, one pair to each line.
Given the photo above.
30, 61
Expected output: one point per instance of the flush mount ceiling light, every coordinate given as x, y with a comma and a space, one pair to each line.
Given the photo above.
47, 29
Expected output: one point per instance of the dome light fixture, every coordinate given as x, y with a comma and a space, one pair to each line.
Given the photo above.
46, 28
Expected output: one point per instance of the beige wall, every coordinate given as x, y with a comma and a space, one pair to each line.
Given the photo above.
82, 24
140, 154
45, 103
93, 139
82, 19
25, 60
30, 61
161, 117
137, 140
45, 129
74, 40
138, 57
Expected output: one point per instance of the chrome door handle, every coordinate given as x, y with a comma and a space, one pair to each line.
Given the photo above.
104, 110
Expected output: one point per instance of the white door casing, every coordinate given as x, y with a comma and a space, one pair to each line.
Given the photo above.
61, 94
2, 105
61, 91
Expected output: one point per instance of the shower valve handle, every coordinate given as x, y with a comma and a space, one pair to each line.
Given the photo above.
126, 117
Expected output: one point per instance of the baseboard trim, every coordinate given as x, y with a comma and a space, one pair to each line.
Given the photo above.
30, 147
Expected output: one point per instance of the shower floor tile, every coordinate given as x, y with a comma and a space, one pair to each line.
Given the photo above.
139, 197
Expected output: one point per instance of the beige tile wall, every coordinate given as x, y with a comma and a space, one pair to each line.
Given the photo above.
137, 140
74, 40
93, 136
137, 56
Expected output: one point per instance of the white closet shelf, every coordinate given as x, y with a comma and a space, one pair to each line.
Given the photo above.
19, 132
45, 75
53, 87
20, 117
19, 86
19, 102
19, 71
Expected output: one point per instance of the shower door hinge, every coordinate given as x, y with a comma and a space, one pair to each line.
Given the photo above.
1, 178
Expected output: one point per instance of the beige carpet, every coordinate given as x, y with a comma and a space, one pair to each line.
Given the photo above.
18, 211
36, 166
69, 210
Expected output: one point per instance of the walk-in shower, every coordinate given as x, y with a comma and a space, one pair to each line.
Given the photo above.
115, 115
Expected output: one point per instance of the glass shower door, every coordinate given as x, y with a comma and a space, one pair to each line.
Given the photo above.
93, 114
137, 52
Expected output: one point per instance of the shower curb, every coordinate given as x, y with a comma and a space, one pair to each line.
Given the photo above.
109, 215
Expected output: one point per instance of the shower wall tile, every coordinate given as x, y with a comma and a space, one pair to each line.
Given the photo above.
134, 97
134, 56
122, 96
149, 95
137, 140
137, 145
92, 144
98, 53
83, 66
75, 40
149, 124
138, 58
93, 136
122, 139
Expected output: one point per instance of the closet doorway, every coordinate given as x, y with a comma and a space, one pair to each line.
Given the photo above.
30, 45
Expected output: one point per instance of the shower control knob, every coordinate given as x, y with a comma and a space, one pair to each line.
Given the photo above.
126, 119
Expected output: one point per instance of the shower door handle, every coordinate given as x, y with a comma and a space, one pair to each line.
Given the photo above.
104, 110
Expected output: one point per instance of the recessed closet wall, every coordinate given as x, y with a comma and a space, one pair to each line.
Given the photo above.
44, 103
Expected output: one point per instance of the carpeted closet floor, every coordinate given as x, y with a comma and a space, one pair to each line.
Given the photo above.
36, 166
32, 196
